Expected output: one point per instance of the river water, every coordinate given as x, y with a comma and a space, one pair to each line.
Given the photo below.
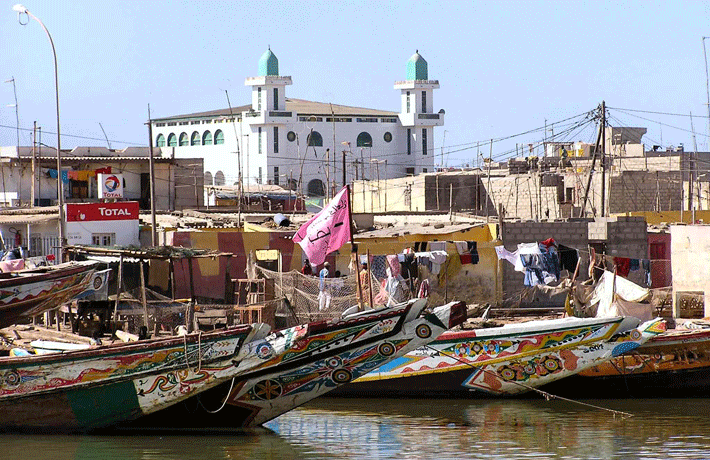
332, 428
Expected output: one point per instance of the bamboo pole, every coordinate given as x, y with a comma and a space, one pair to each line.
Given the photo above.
143, 297
119, 286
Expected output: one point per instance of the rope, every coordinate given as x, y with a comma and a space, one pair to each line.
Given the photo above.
544, 394
199, 352
224, 403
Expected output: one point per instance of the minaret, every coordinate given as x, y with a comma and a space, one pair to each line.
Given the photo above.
266, 121
417, 113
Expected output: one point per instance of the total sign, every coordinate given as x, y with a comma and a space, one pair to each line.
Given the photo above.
116, 223
110, 185
93, 212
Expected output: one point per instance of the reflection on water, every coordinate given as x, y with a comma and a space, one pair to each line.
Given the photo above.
415, 429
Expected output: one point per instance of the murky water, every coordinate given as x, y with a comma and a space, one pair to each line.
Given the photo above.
416, 429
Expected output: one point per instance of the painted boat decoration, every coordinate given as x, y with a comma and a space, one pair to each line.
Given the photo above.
520, 375
86, 389
304, 362
675, 363
28, 293
441, 369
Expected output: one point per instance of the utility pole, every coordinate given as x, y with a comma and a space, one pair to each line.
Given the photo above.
239, 162
707, 82
344, 176
153, 230
691, 167
34, 164
591, 169
603, 128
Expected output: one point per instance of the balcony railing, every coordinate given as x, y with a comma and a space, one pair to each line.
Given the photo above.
428, 116
274, 113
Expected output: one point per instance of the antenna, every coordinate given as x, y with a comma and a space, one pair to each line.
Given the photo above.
105, 136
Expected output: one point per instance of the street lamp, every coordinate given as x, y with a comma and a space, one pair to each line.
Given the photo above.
60, 187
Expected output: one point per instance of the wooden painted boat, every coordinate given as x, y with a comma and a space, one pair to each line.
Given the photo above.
87, 389
28, 293
304, 362
496, 360
673, 364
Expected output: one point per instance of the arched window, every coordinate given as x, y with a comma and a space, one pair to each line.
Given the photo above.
208, 178
207, 138
219, 178
364, 140
314, 139
160, 141
183, 140
172, 140
195, 138
316, 188
218, 137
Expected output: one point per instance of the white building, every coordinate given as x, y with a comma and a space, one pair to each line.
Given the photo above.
281, 140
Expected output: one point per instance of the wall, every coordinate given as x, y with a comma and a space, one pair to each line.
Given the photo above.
690, 259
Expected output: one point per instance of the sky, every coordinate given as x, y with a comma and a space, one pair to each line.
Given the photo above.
505, 67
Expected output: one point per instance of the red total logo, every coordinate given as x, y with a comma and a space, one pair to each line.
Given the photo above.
87, 212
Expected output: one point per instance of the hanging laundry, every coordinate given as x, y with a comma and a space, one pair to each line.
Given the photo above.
548, 242
568, 258
473, 250
73, 175
646, 265
622, 266
65, 177
52, 173
437, 246
504, 254
634, 264
424, 289
106, 170
461, 247
409, 266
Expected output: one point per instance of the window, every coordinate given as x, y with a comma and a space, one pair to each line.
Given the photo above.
410, 171
366, 120
291, 136
195, 122
219, 178
218, 137
425, 170
276, 175
424, 142
311, 118
389, 120
314, 139
172, 140
195, 138
182, 123
103, 239
183, 140
407, 101
258, 178
409, 141
78, 188
388, 137
208, 178
364, 140
207, 138
276, 142
258, 98
423, 101
172, 123
160, 141
259, 140
276, 99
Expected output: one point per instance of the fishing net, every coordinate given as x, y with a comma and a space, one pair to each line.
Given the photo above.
306, 298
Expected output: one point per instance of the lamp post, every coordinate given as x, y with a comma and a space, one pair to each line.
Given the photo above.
60, 186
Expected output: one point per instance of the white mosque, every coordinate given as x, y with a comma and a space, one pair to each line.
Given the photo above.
280, 140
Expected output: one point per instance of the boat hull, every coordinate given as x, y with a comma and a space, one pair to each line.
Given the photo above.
443, 368
89, 389
29, 293
310, 365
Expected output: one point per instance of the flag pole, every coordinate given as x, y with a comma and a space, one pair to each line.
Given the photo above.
353, 248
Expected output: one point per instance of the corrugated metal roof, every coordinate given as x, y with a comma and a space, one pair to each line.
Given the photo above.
27, 219
300, 106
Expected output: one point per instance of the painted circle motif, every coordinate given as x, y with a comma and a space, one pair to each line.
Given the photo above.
530, 369
507, 374
98, 282
264, 350
477, 348
333, 362
342, 376
552, 364
386, 349
12, 378
388, 137
291, 136
423, 331
635, 335
268, 389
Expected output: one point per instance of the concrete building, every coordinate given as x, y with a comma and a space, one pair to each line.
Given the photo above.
297, 143
178, 181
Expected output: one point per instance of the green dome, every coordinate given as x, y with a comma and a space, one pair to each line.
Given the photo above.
417, 68
269, 64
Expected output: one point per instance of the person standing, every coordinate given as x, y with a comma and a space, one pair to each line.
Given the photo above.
307, 269
365, 283
324, 295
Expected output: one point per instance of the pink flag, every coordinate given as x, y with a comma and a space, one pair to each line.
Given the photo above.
327, 231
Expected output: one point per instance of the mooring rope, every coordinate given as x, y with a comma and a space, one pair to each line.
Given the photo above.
545, 394
224, 403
